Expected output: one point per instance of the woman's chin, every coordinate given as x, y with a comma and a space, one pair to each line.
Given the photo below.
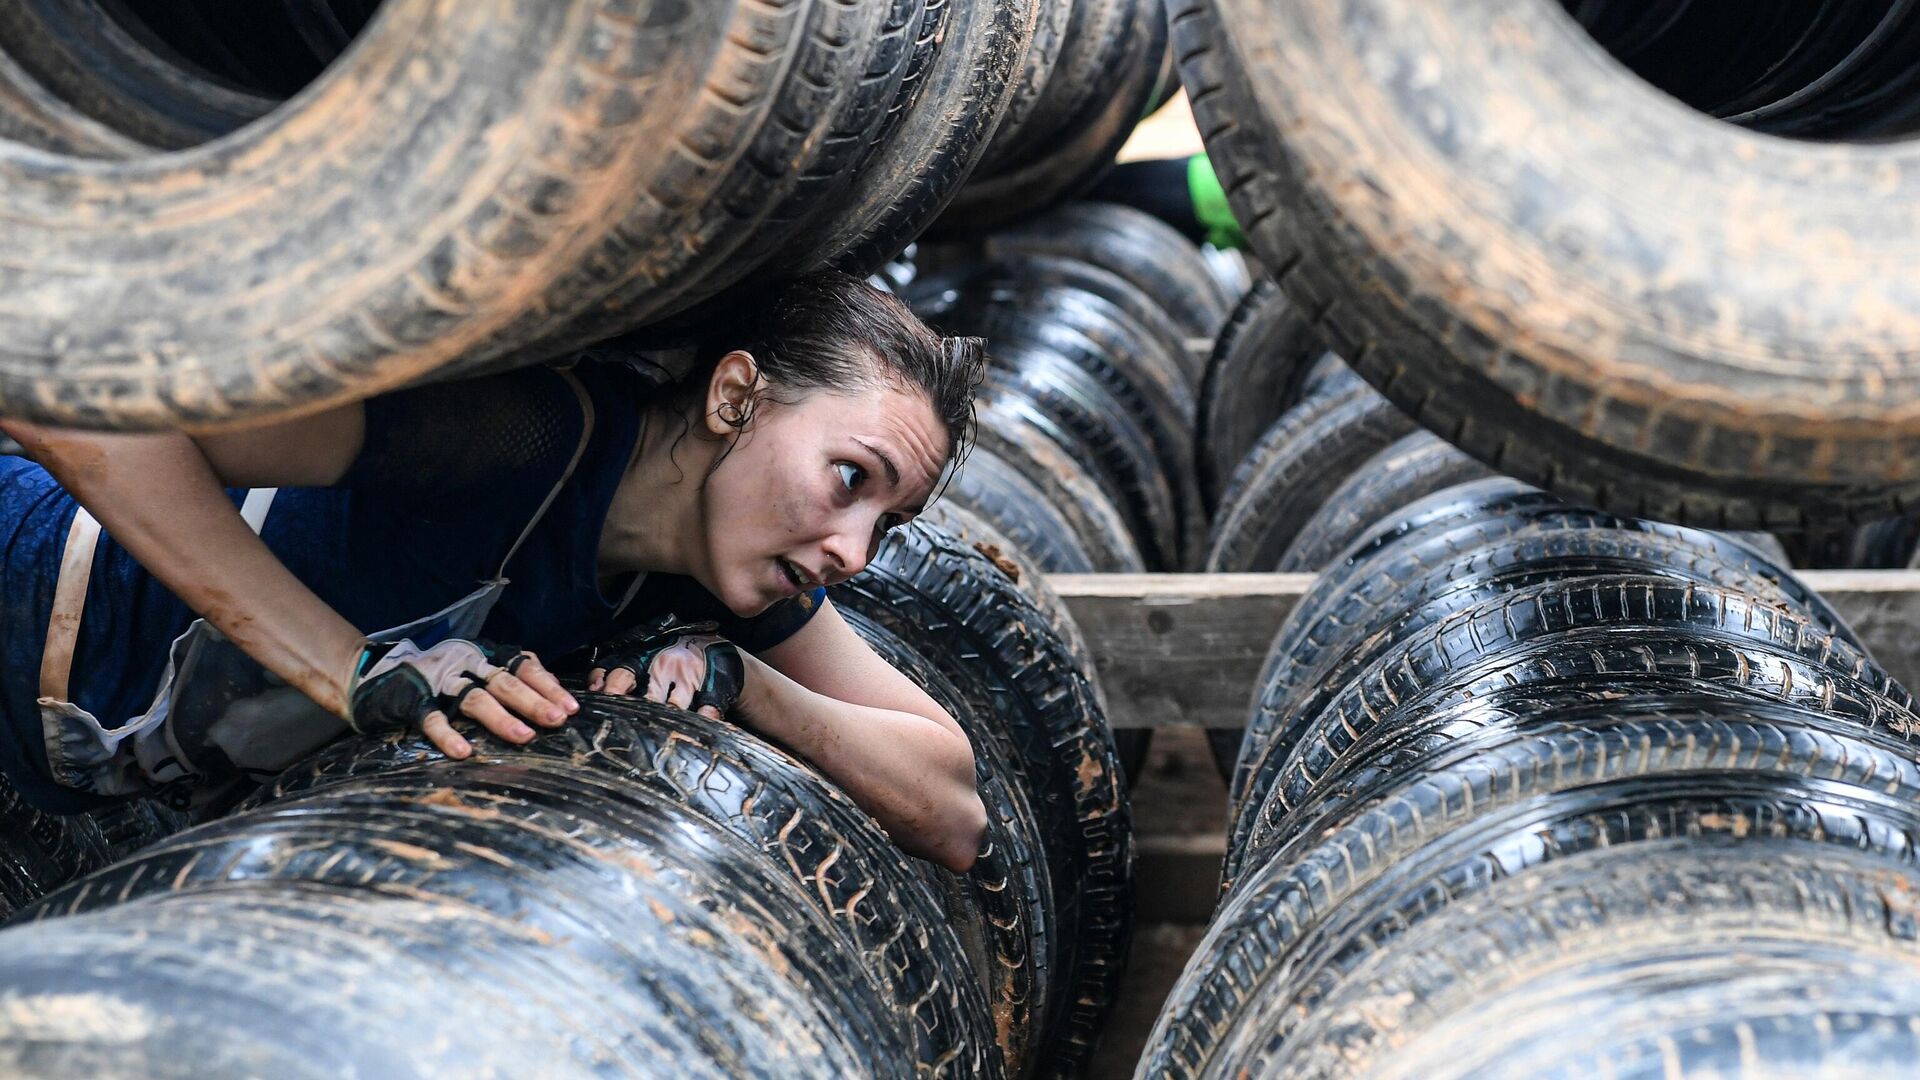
748, 602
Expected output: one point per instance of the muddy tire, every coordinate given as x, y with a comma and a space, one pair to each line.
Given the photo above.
1758, 940
1677, 779
1012, 560
1429, 215
1291, 471
113, 72
830, 112
611, 171
1111, 309
1090, 423
1571, 629
1476, 528
39, 852
988, 490
962, 613
1010, 923
231, 290
951, 111
608, 878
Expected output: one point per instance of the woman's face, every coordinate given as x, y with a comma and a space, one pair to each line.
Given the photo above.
811, 485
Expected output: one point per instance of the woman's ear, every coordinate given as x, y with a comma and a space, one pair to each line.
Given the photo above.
731, 393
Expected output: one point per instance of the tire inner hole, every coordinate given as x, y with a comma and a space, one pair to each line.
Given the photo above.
1831, 70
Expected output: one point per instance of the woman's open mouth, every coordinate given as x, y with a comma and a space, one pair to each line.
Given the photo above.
796, 578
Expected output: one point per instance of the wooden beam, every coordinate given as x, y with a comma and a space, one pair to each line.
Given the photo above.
1178, 650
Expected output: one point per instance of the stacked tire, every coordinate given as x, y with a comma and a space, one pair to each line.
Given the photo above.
1093, 69
40, 852
1085, 454
1535, 789
1559, 241
644, 890
209, 225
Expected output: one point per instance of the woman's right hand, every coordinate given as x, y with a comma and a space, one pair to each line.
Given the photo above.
683, 664
401, 686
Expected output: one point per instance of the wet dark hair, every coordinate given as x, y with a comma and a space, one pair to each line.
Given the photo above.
832, 331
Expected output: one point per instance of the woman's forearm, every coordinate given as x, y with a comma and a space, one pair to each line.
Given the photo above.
158, 497
915, 776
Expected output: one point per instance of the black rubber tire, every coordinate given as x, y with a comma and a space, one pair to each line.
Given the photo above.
1094, 34
1661, 666
958, 610
1729, 954
1114, 310
953, 110
116, 74
1009, 433
1887, 544
1045, 51
1809, 71
1548, 787
1102, 434
1016, 565
987, 489
1011, 931
32, 115
831, 113
40, 852
1677, 377
1457, 522
1486, 520
1528, 636
1340, 631
1473, 526
1413, 467
270, 49
1085, 314
1291, 471
1256, 372
1136, 246
556, 882
1012, 560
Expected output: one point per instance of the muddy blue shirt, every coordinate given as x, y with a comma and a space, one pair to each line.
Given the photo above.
447, 478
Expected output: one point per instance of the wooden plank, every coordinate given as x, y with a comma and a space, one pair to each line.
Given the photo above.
1179, 877
1176, 650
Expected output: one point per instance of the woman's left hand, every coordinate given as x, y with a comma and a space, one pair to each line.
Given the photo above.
685, 665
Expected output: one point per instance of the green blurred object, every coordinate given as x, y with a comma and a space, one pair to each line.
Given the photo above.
1210, 205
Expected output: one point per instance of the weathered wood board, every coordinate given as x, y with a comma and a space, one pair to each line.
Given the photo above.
1178, 650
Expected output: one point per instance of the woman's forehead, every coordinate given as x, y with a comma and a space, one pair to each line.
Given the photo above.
896, 420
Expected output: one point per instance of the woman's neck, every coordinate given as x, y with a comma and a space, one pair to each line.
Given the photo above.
652, 524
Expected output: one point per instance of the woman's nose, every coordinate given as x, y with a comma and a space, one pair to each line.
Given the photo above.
847, 553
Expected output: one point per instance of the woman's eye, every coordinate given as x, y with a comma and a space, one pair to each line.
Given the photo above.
850, 475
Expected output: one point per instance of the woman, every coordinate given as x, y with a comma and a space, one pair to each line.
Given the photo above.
550, 509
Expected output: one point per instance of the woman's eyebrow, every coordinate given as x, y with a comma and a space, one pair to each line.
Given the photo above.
893, 474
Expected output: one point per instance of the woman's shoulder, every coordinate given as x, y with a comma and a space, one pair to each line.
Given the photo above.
445, 440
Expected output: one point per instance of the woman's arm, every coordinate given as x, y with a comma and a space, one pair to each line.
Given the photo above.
160, 496
829, 697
